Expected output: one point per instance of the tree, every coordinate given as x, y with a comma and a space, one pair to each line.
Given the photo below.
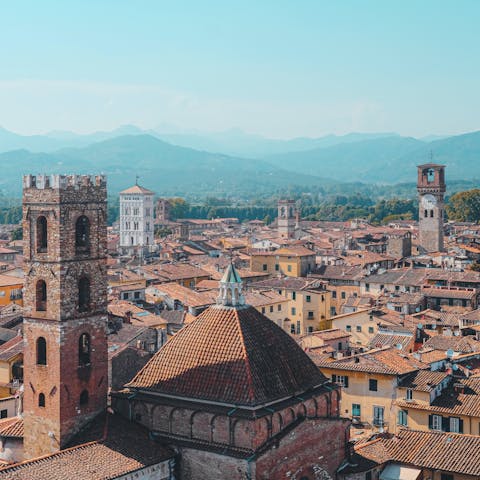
464, 206
178, 208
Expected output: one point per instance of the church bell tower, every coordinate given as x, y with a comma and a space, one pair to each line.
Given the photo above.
431, 189
65, 299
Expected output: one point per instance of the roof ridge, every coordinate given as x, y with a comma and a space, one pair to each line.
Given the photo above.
247, 359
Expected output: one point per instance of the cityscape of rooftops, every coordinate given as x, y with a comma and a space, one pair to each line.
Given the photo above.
239, 240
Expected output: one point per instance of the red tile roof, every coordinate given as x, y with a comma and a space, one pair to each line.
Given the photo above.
11, 427
229, 355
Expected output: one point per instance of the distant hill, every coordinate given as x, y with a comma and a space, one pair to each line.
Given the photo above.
166, 169
387, 160
238, 143
233, 142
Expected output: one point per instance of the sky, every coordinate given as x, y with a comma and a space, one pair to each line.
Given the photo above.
276, 68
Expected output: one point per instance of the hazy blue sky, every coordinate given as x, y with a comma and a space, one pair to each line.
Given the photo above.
278, 68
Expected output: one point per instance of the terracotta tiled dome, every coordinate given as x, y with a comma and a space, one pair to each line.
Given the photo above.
230, 355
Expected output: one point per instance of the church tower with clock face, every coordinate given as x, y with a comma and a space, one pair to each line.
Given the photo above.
431, 189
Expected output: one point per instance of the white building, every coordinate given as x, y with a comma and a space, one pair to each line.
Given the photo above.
136, 219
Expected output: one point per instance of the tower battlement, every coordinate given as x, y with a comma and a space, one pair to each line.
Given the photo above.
61, 182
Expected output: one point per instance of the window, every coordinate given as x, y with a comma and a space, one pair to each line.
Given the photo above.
334, 294
435, 422
343, 295
41, 351
378, 416
289, 268
279, 307
425, 213
409, 394
340, 380
356, 409
431, 213
125, 295
368, 475
136, 295
264, 267
402, 418
279, 292
83, 294
370, 329
456, 425
373, 385
310, 315
294, 311
446, 476
263, 310
308, 298
294, 295
292, 328
358, 328
41, 296
298, 328
310, 329
3, 413
277, 267
41, 400
271, 308
367, 287
84, 397
82, 233
42, 234
348, 328
84, 349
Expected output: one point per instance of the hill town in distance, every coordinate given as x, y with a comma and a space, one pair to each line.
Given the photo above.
158, 347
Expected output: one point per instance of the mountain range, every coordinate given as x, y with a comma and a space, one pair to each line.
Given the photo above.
191, 163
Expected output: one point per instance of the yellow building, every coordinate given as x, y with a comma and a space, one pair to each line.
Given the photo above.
369, 383
362, 325
10, 290
11, 366
452, 406
308, 303
291, 261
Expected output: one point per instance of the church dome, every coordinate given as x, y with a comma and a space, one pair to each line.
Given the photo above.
231, 355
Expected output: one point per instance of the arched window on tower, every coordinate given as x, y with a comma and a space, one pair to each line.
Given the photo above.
82, 234
431, 213
41, 296
425, 214
83, 294
430, 175
41, 400
41, 351
42, 234
84, 397
84, 349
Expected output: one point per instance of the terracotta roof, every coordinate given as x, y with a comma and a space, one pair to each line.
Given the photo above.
137, 189
391, 340
127, 449
11, 348
11, 427
441, 451
230, 355
423, 380
451, 401
456, 343
389, 361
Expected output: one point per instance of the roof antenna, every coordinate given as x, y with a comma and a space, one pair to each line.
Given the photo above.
136, 179
431, 155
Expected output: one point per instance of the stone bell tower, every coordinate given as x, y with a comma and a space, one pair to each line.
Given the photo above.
65, 324
286, 219
431, 189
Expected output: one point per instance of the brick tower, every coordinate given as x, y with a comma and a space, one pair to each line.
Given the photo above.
431, 189
65, 363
